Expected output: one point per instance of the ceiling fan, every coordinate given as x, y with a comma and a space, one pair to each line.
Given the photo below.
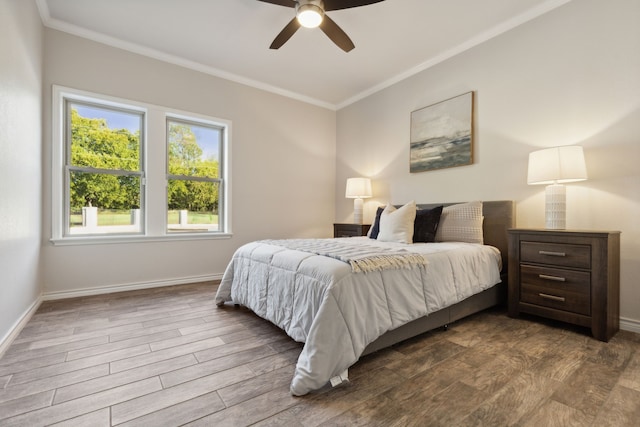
311, 14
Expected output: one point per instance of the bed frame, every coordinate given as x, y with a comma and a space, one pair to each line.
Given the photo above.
499, 216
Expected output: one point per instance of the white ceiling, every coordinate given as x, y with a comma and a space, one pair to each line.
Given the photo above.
230, 38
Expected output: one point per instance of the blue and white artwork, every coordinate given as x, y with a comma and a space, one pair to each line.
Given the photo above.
442, 134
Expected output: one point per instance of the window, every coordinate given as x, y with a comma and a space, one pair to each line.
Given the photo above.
110, 184
193, 176
104, 172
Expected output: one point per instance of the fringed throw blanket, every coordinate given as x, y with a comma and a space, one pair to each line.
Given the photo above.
362, 258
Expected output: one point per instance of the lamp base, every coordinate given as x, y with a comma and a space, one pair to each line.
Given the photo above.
357, 211
555, 209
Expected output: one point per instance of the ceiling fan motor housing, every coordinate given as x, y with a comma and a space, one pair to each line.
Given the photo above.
310, 12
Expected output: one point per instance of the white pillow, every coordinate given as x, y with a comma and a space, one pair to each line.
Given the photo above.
461, 223
396, 225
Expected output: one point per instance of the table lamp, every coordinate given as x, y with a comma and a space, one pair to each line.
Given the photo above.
358, 189
556, 166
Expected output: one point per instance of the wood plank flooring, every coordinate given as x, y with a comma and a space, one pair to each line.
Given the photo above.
169, 357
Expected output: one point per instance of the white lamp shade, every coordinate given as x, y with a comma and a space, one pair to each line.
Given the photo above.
557, 165
358, 188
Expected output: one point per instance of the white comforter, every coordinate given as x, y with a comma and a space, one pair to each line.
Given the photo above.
336, 313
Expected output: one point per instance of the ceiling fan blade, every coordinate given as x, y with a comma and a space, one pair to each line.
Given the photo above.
335, 33
285, 34
286, 3
344, 4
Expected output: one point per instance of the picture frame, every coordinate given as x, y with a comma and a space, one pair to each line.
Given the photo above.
442, 134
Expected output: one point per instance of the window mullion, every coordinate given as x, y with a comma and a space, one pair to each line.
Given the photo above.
193, 178
119, 172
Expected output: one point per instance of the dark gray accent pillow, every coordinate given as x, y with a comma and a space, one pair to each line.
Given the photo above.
425, 225
375, 228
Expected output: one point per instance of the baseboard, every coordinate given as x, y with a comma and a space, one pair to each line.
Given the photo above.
6, 341
48, 296
630, 325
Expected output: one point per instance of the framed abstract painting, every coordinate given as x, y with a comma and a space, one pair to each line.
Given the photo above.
442, 134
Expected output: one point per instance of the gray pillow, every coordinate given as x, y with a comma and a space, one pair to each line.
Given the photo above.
461, 223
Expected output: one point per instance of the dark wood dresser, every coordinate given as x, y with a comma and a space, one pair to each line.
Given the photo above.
567, 275
350, 230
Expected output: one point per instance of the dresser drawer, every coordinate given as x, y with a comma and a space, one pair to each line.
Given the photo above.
565, 290
560, 254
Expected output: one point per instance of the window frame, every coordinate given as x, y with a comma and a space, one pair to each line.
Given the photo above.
69, 167
188, 120
153, 196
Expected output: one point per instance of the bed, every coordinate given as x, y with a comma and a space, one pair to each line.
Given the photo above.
345, 298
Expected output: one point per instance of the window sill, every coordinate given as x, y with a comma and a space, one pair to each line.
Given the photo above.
106, 240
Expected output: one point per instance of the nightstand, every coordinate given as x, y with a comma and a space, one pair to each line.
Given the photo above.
350, 230
566, 275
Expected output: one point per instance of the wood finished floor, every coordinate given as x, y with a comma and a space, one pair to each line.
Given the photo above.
168, 357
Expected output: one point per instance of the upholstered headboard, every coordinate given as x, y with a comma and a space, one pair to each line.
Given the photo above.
499, 216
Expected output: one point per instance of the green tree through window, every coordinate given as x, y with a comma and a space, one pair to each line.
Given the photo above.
96, 148
193, 175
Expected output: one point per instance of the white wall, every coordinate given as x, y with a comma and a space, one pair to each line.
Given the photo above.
571, 76
20, 161
283, 166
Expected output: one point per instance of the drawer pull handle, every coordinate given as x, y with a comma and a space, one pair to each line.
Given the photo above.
551, 253
554, 278
551, 297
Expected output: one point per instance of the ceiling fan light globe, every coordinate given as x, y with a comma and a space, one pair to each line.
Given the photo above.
309, 15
